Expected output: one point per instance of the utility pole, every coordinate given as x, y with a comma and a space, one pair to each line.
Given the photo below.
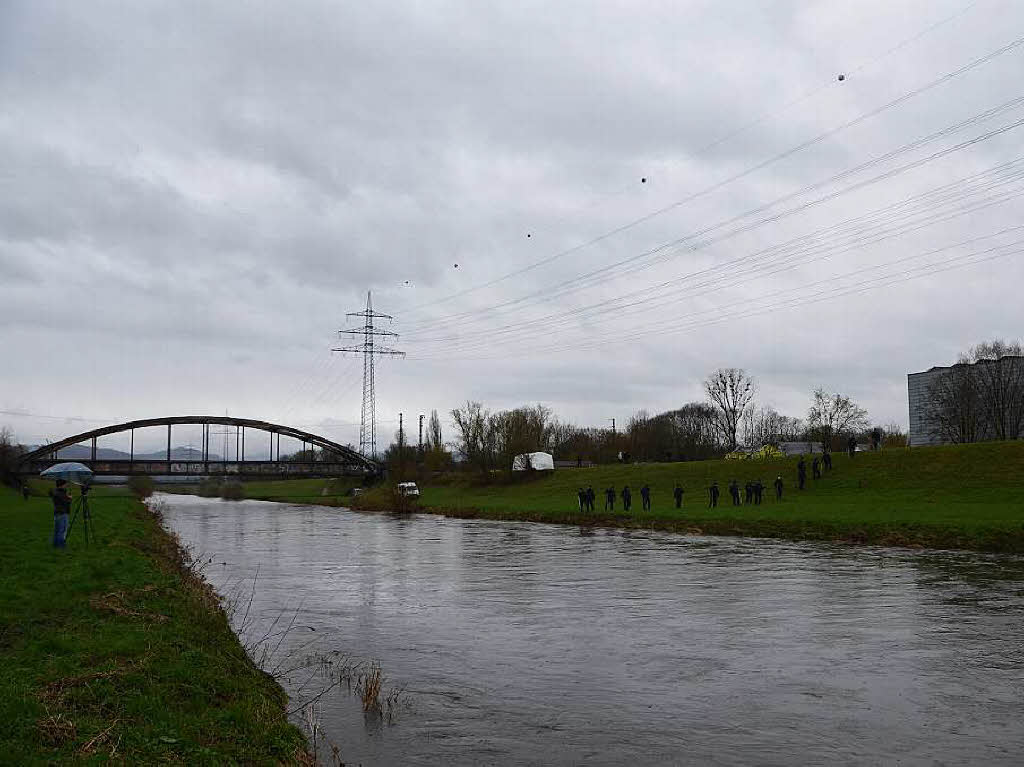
401, 434
419, 447
613, 427
368, 420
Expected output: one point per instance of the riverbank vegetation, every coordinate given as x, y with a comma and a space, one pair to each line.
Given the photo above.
119, 651
961, 496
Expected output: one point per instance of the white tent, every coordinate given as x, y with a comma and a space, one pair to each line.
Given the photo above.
535, 461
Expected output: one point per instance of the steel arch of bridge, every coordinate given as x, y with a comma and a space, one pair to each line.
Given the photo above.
342, 460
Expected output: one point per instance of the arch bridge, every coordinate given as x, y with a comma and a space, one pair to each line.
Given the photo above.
333, 459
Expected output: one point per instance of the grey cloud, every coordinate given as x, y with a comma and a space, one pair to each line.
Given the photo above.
211, 186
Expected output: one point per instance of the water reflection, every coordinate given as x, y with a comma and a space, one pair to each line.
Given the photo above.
534, 644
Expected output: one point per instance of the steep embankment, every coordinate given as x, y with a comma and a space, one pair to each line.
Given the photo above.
119, 651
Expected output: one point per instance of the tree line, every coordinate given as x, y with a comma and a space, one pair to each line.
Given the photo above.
486, 440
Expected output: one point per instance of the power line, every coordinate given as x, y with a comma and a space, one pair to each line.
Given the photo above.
771, 114
929, 204
930, 269
368, 420
642, 260
819, 138
925, 201
791, 257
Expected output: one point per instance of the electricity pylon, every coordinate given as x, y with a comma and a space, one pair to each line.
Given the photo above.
369, 349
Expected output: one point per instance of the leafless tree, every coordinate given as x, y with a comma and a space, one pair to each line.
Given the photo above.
999, 380
952, 407
833, 414
520, 431
731, 392
474, 435
765, 426
9, 454
981, 396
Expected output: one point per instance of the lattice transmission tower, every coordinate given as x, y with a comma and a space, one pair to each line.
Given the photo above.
369, 349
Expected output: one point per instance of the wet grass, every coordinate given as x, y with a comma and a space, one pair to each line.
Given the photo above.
120, 652
961, 497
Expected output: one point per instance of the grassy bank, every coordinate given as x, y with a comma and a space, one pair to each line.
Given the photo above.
965, 497
120, 652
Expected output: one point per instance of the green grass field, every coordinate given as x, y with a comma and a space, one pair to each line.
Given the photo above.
969, 497
119, 653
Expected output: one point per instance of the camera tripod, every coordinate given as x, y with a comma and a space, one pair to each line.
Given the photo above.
81, 505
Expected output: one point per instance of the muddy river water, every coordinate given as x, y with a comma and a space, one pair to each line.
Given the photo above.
519, 643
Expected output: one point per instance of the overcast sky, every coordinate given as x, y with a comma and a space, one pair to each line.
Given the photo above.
193, 195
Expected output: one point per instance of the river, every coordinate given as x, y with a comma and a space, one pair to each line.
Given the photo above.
521, 643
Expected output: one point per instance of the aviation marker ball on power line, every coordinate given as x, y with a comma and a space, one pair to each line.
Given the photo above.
643, 180
842, 77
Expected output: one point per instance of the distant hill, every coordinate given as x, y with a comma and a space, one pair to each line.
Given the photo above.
84, 452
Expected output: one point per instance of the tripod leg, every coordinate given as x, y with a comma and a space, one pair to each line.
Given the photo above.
71, 524
86, 520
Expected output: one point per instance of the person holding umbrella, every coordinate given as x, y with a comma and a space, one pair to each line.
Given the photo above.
63, 472
61, 513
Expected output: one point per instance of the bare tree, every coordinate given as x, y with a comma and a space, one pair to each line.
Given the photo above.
999, 380
765, 426
694, 431
952, 407
979, 397
833, 414
475, 437
9, 454
521, 431
731, 392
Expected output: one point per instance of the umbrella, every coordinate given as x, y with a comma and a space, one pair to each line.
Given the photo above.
72, 471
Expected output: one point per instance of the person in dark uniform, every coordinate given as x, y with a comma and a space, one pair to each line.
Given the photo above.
713, 495
748, 493
851, 446
627, 498
24, 490
61, 513
801, 472
590, 498
609, 499
827, 460
678, 495
816, 468
755, 489
876, 439
581, 496
778, 488
645, 497
734, 492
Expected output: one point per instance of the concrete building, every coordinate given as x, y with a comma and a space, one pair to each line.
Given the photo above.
922, 428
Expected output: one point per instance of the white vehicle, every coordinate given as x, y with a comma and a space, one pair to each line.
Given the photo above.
534, 461
408, 489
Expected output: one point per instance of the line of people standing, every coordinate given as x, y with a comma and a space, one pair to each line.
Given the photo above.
586, 498
753, 492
